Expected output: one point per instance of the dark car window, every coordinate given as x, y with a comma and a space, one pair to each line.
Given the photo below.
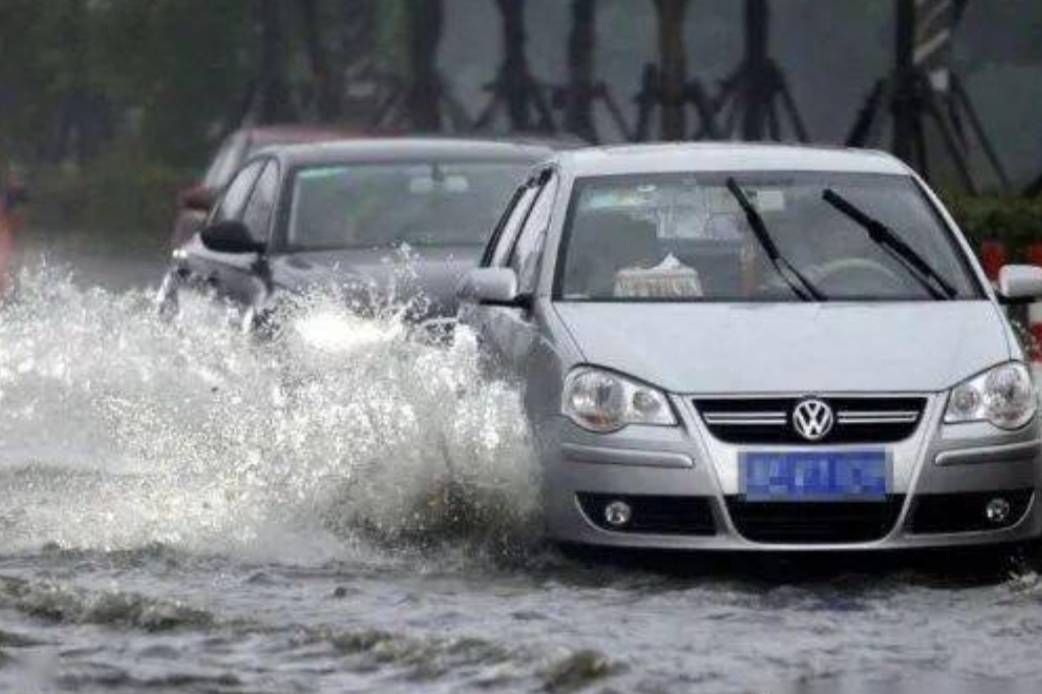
258, 212
524, 256
512, 225
368, 205
234, 198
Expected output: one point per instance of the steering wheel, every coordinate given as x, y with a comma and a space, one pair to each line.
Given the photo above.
855, 272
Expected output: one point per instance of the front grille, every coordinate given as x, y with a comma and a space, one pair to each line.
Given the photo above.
657, 515
814, 522
769, 420
964, 512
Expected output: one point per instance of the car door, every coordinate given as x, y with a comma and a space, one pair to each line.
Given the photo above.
478, 317
517, 327
197, 267
243, 276
507, 332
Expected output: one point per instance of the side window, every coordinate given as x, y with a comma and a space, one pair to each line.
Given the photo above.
259, 210
236, 194
504, 240
501, 224
524, 257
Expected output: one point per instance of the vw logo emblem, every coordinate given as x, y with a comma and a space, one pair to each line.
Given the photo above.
812, 419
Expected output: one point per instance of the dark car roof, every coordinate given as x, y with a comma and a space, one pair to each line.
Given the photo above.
408, 149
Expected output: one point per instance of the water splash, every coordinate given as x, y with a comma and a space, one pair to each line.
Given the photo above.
121, 430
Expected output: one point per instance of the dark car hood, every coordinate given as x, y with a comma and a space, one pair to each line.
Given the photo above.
431, 272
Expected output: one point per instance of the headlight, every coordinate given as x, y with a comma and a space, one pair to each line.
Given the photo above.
602, 401
1004, 396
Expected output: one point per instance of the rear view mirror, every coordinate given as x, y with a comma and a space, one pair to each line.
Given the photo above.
1020, 282
495, 286
230, 236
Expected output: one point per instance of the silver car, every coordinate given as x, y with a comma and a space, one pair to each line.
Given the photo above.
749, 347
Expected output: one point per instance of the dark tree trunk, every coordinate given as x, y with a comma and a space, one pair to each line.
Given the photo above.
578, 116
758, 88
514, 75
426, 18
357, 64
357, 38
905, 108
328, 87
672, 67
273, 96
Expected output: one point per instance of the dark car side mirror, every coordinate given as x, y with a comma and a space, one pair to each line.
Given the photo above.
230, 236
198, 198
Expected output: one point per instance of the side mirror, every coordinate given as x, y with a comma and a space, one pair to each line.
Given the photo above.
495, 286
1020, 282
198, 198
230, 236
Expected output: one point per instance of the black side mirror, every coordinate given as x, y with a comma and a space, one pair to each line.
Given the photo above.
230, 236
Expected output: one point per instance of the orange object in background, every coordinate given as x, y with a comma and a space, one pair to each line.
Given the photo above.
993, 255
11, 218
6, 247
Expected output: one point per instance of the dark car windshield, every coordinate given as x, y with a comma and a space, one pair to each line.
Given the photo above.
686, 237
419, 204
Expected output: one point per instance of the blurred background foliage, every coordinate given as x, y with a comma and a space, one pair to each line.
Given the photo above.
113, 105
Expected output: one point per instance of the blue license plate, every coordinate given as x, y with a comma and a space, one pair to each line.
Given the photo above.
815, 475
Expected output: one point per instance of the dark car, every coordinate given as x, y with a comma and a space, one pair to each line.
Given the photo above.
340, 213
194, 203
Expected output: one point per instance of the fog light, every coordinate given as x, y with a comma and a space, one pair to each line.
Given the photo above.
618, 513
997, 510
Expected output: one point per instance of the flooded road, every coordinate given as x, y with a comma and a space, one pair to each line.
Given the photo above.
183, 510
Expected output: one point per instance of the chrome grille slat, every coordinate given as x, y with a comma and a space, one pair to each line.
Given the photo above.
861, 419
781, 421
746, 418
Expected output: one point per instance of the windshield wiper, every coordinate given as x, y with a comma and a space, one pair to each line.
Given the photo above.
885, 237
808, 292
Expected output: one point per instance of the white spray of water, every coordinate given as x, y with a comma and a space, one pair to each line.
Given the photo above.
118, 429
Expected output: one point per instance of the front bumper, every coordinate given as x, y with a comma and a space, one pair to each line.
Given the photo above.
942, 477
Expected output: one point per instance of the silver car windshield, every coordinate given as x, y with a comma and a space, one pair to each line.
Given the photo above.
686, 237
420, 204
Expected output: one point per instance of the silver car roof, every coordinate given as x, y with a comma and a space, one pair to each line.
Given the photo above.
724, 156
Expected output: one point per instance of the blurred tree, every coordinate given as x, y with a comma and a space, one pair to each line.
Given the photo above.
672, 67
273, 101
180, 72
514, 84
328, 80
514, 76
426, 18
50, 102
578, 115
758, 91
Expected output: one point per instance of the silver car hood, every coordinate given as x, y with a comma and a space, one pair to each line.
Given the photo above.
791, 348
